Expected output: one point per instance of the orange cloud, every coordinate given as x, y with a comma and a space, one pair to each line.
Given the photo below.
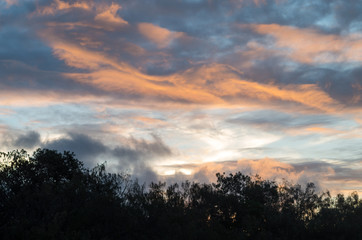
162, 37
323, 130
323, 175
59, 5
212, 84
111, 75
109, 15
77, 57
267, 168
131, 82
310, 46
105, 16
151, 121
228, 84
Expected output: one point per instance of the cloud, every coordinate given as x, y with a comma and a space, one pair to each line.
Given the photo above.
326, 175
270, 120
281, 78
240, 3
59, 5
347, 15
11, 2
41, 98
131, 155
213, 84
135, 150
310, 46
162, 37
96, 15
85, 148
27, 140
128, 154
109, 15
131, 69
12, 138
267, 168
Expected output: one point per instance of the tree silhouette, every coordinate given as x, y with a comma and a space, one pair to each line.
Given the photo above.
51, 195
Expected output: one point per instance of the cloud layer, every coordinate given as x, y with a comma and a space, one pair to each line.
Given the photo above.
155, 84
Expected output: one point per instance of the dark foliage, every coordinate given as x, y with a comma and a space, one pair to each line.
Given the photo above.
50, 195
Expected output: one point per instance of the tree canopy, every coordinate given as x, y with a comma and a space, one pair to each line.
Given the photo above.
51, 195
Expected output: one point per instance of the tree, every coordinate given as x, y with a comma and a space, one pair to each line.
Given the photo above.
51, 195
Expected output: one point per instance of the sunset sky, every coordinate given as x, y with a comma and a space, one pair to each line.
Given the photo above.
183, 89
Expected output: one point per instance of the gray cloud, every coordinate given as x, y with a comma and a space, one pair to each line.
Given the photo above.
131, 150
274, 120
348, 16
132, 154
27, 140
18, 139
85, 148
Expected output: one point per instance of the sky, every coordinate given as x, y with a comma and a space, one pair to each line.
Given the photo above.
174, 90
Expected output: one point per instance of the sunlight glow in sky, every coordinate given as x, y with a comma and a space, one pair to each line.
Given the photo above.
188, 88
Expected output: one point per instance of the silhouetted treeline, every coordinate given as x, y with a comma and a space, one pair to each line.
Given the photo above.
52, 195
